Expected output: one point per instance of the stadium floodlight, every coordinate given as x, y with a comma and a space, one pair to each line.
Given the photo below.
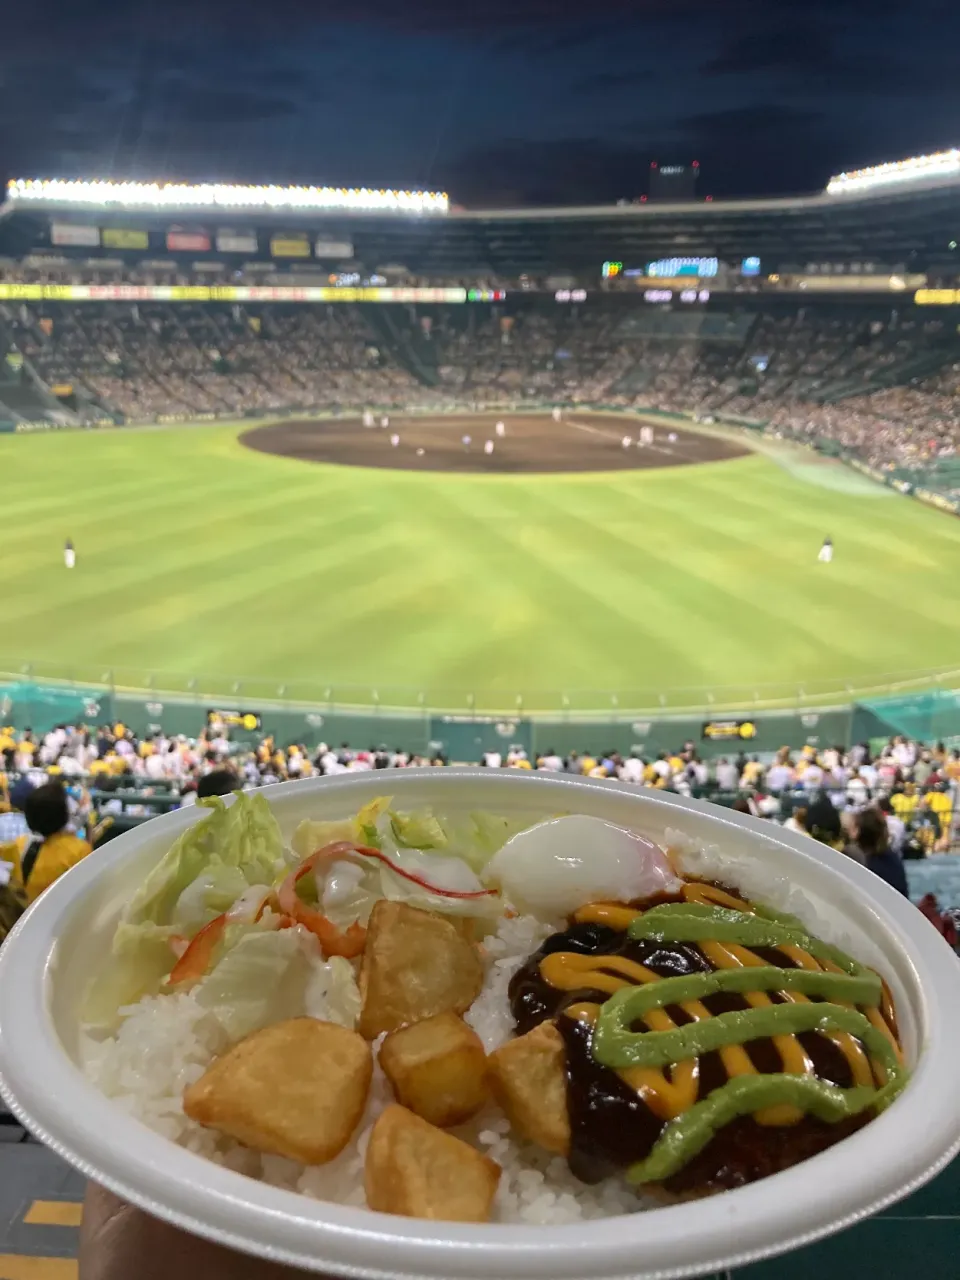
176, 195
943, 164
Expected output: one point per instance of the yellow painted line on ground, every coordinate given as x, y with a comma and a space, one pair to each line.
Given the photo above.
15, 1266
54, 1213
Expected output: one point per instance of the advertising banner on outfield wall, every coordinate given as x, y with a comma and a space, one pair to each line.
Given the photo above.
236, 241
12, 292
727, 730
333, 248
125, 238
71, 234
290, 247
179, 241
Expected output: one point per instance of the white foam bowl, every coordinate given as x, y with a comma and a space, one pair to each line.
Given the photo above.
65, 938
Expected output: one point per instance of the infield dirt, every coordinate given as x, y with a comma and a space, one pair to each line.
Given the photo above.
531, 443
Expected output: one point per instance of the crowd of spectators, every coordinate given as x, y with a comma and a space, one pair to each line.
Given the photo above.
917, 780
884, 389
66, 791
150, 361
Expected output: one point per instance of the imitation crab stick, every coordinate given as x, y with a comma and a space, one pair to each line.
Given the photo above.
350, 942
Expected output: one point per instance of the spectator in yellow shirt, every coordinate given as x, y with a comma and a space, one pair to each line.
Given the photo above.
53, 849
752, 772
940, 803
905, 803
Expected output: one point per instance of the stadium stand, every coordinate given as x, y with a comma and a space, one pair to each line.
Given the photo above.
865, 379
114, 781
117, 771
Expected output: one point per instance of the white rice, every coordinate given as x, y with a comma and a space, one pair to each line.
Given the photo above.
166, 1042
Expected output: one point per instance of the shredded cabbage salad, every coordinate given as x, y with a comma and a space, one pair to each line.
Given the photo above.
238, 918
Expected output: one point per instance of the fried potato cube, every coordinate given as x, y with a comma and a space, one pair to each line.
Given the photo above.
418, 1171
437, 1069
415, 964
528, 1078
296, 1089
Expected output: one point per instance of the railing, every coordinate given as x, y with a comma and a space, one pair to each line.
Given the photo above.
572, 703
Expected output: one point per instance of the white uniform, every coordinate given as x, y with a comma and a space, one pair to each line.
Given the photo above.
488, 447
556, 415
69, 557
646, 435
394, 440
672, 437
500, 429
384, 421
826, 553
466, 442
367, 418
626, 442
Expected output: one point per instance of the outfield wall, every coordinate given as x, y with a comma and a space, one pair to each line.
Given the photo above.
928, 716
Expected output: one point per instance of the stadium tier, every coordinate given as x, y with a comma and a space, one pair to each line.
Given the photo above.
813, 316
631, 347
866, 376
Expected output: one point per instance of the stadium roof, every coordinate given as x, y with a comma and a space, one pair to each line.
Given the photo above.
878, 219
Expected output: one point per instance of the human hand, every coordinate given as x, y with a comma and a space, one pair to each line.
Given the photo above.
119, 1242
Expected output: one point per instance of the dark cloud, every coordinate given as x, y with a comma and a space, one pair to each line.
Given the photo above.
513, 172
229, 106
505, 101
749, 122
851, 52
767, 147
607, 81
798, 48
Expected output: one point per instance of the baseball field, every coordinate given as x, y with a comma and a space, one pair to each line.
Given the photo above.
323, 559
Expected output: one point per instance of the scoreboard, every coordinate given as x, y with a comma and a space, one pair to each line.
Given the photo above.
673, 181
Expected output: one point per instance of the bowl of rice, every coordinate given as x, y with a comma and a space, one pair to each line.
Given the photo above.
120, 1019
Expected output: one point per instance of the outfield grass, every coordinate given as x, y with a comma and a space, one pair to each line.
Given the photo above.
198, 557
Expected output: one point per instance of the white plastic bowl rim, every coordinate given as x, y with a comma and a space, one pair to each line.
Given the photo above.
886, 1160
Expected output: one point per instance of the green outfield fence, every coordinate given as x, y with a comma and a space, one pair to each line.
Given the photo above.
725, 719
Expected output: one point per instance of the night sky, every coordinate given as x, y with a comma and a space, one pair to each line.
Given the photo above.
499, 102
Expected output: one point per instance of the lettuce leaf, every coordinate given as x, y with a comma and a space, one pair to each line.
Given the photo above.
477, 836
142, 958
260, 980
214, 891
333, 994
269, 976
244, 835
419, 830
311, 836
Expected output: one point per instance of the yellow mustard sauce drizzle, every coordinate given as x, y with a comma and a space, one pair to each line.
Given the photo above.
671, 1091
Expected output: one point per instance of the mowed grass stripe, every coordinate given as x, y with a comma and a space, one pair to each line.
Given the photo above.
739, 586
851, 603
665, 580
196, 554
551, 570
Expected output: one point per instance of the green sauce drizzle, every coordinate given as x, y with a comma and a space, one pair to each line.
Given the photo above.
615, 1045
697, 922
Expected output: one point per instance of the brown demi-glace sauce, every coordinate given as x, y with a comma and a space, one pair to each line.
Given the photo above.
611, 1125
